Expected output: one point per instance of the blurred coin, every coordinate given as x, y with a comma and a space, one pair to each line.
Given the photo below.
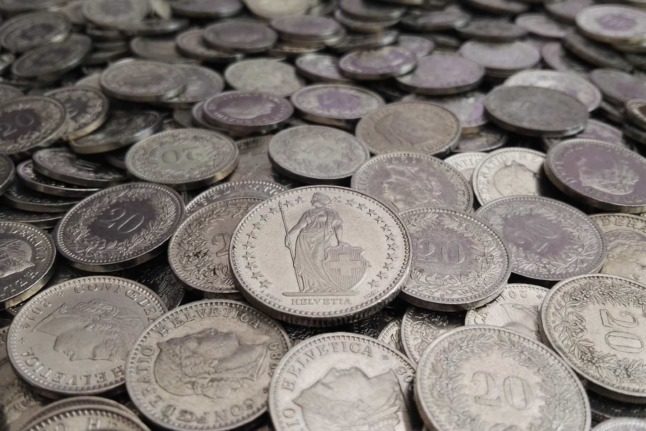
618, 87
594, 53
559, 59
26, 31
20, 197
63, 165
501, 60
486, 138
115, 13
268, 9
142, 81
612, 23
419, 328
418, 45
154, 48
567, 10
604, 408
307, 28
86, 107
7, 173
233, 190
594, 129
49, 61
541, 25
320, 67
376, 64
8, 92
371, 11
622, 424
466, 162
443, 73
391, 336
435, 20
491, 30
365, 40
636, 112
206, 8
41, 220
156, 26
191, 44
468, 107
499, 7
240, 35
265, 75
625, 237
201, 83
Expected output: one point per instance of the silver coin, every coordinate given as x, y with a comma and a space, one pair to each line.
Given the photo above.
26, 31
266, 75
42, 184
8, 92
468, 107
233, 190
604, 408
625, 237
557, 58
391, 336
241, 35
22, 198
79, 417
622, 424
206, 8
486, 138
598, 54
376, 64
201, 83
612, 23
7, 173
466, 162
501, 60
87, 109
142, 81
320, 67
307, 28
618, 87
421, 327
191, 44
38, 219
254, 162
596, 130
541, 25
162, 49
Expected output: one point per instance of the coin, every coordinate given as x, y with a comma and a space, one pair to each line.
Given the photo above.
595, 53
199, 250
486, 138
264, 75
405, 181
307, 28
254, 162
547, 239
612, 23
162, 49
296, 283
206, 8
317, 154
238, 348
603, 175
418, 45
362, 26
617, 86
8, 92
435, 20
475, 364
491, 30
502, 7
604, 408
468, 107
419, 328
391, 336
80, 331
142, 80
594, 129
541, 25
201, 83
78, 418
622, 424
625, 237
48, 62
567, 10
378, 63
347, 381
119, 227
466, 162
191, 44
501, 60
559, 59
86, 107
409, 126
636, 112
233, 190
115, 13
269, 9
7, 173
443, 73
30, 122
365, 40
240, 35
20, 197
320, 67
26, 31
183, 158
41, 220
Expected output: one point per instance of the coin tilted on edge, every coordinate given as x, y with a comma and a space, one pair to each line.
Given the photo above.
214, 358
40, 183
81, 331
234, 189
421, 327
622, 424
320, 256
7, 172
142, 81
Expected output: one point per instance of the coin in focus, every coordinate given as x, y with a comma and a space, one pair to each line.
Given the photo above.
421, 327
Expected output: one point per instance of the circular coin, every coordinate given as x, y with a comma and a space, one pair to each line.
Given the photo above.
595, 130
265, 75
232, 190
468, 107
441, 74
320, 67
26, 31
541, 25
86, 107
79, 416
113, 14
20, 197
191, 44
142, 81
618, 87
7, 173
206, 8
466, 162
391, 336
38, 219
254, 162
48, 62
307, 28
559, 59
378, 63
201, 83
622, 424
240, 35
421, 327
485, 138
594, 53
501, 60
612, 23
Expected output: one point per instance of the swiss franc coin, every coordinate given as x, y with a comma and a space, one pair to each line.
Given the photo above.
612, 23
9, 92
622, 424
266, 75
347, 381
441, 74
40, 183
7, 173
598, 54
557, 58
234, 189
307, 28
625, 237
541, 25
115, 13
214, 358
604, 408
198, 252
48, 62
596, 130
268, 9
409, 126
87, 109
391, 336
547, 239
497, 379
317, 154
457, 261
379, 63
254, 162
320, 255
26, 261
421, 327
81, 330
617, 86
191, 44
468, 107
466, 162
79, 418
26, 31
566, 10
486, 138
201, 83
119, 227
517, 309
603, 175
183, 158
412, 180
595, 322
320, 67
39, 219
18, 196
206, 8
240, 35
142, 81
501, 60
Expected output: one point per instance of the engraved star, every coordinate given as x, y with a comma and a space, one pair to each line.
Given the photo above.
381, 275
251, 235
373, 283
264, 284
257, 225
256, 275
387, 266
391, 246
384, 227
286, 203
299, 200
371, 212
390, 237
390, 256
264, 217
379, 219
349, 202
361, 206
272, 211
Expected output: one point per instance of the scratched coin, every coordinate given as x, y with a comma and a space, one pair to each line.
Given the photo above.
547, 239
232, 190
119, 227
412, 180
622, 424
441, 74
81, 330
26, 31
198, 352
240, 35
595, 322
7, 172
501, 379
466, 162
348, 381
266, 75
612, 23
421, 327
378, 63
142, 81
86, 107
342, 255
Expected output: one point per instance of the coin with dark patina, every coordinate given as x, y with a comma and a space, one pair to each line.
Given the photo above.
443, 73
233, 190
379, 63
142, 81
419, 328
26, 31
266, 75
48, 62
86, 107
625, 237
7, 173
240, 35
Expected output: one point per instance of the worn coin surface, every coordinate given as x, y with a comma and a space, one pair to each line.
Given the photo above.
191, 44
115, 13
541, 25
183, 158
594, 129
81, 332
119, 227
320, 255
7, 172
443, 73
419, 328
240, 35
26, 31
320, 67
86, 107
497, 379
378, 63
266, 75
246, 111
625, 237
214, 358
342, 380
598, 54
78, 417
612, 23
501, 59
595, 322
546, 239
235, 189
409, 126
413, 180
466, 162
142, 81
40, 183
622, 424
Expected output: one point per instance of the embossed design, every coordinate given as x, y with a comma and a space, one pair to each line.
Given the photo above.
616, 179
30, 121
263, 75
625, 237
336, 101
15, 256
421, 327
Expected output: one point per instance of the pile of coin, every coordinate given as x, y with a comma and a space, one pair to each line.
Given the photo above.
322, 215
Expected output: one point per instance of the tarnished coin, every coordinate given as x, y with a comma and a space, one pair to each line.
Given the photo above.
594, 129
119, 227
20, 197
233, 190
486, 138
240, 35
78, 417
320, 67
458, 262
536, 111
254, 162
86, 107
405, 181
264, 75
198, 252
378, 63
625, 237
419, 328
30, 122
559, 59
344, 255
7, 173
63, 165
317, 154
206, 8
622, 424
409, 126
201, 83
26, 261
594, 53
617, 86
497, 379
443, 73
501, 60
81, 330
595, 322
517, 309
115, 13
603, 175
466, 162
196, 354
191, 44
26, 31
183, 158
541, 25
391, 336
546, 239
612, 23
343, 380
510, 172
142, 81
48, 62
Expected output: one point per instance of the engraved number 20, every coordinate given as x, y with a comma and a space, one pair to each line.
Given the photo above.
617, 339
512, 391
122, 221
447, 254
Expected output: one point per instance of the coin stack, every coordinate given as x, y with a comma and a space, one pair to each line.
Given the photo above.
322, 215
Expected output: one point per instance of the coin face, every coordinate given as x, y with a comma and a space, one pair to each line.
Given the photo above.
238, 348
379, 63
604, 408
595, 53
594, 322
486, 138
541, 25
240, 35
335, 101
501, 59
475, 364
183, 158
86, 107
40, 183
618, 86
412, 180
115, 13
235, 189
201, 83
81, 330
443, 73
622, 424
317, 154
246, 111
343, 370
546, 239
466, 163
265, 75
421, 327
119, 227
49, 61
409, 126
281, 253
625, 237
7, 173
26, 31
612, 23
142, 81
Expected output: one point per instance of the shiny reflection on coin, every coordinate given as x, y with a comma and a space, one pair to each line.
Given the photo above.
119, 227
268, 9
81, 330
240, 35
48, 62
466, 162
441, 74
191, 44
622, 424
470, 363
86, 107
198, 252
26, 31
486, 138
412, 180
201, 83
547, 239
419, 328
7, 173
265, 75
375, 64
198, 352
235, 189
163, 49
277, 255
320, 67
142, 81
